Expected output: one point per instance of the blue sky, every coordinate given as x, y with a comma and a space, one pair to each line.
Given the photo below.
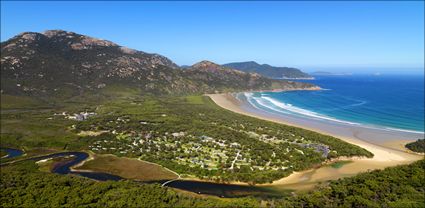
310, 35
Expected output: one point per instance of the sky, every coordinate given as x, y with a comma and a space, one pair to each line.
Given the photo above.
309, 35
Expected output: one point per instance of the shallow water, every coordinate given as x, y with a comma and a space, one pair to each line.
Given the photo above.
11, 153
77, 157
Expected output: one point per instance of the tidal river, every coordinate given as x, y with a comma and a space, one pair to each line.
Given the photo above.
209, 188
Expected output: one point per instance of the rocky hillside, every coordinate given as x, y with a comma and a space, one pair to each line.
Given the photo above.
58, 62
269, 71
226, 78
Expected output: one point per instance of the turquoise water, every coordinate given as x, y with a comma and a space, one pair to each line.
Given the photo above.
388, 101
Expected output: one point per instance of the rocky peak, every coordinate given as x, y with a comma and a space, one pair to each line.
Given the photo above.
60, 42
28, 37
207, 65
77, 41
212, 67
53, 33
64, 38
22, 40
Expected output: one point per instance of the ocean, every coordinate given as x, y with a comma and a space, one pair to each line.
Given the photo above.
391, 102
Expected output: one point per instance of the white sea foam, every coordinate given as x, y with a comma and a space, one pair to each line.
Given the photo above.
287, 108
404, 130
248, 97
264, 104
360, 103
301, 111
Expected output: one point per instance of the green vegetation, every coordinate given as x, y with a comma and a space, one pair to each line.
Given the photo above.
14, 102
417, 146
206, 141
24, 186
34, 129
402, 186
190, 135
127, 168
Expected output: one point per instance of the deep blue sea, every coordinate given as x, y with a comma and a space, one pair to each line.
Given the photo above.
385, 101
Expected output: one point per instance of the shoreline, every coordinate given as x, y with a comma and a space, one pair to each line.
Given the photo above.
315, 88
76, 166
385, 154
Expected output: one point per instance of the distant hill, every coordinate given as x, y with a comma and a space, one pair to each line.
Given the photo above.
269, 71
227, 78
63, 63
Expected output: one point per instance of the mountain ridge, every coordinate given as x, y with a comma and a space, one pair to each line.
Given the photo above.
58, 62
268, 70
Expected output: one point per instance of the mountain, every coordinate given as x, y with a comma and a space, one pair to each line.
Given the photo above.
269, 71
214, 74
58, 62
228, 79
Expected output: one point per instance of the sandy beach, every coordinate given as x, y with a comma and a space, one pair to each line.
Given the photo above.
387, 146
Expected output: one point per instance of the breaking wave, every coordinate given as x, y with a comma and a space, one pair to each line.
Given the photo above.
267, 103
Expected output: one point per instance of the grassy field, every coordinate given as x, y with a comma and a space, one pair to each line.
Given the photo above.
19, 102
128, 168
